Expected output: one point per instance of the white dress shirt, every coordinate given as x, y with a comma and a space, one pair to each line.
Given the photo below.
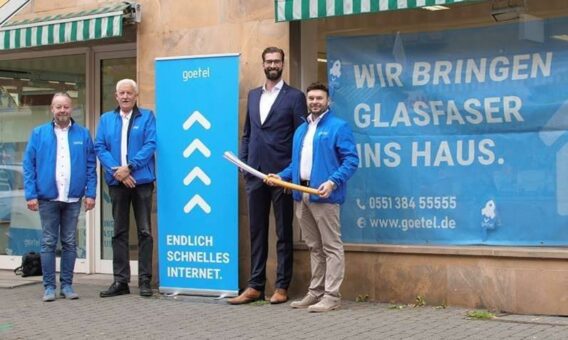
267, 99
63, 164
307, 154
124, 137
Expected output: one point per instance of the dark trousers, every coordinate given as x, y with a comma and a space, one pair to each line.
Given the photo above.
260, 197
141, 199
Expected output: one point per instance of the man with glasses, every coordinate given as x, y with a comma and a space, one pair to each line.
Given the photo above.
274, 110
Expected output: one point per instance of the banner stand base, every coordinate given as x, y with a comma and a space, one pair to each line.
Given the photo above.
200, 292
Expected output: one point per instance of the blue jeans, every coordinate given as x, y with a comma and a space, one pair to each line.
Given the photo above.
58, 219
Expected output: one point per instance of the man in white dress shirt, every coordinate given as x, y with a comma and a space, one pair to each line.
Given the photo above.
59, 170
324, 156
274, 110
125, 145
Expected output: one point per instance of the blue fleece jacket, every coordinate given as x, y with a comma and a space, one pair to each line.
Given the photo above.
140, 146
40, 160
334, 158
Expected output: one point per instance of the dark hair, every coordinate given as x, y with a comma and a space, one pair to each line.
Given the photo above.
318, 86
273, 49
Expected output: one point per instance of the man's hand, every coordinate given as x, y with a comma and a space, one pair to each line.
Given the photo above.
326, 188
33, 205
121, 173
129, 182
269, 182
89, 203
272, 184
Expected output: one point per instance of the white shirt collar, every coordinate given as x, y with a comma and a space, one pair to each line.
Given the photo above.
276, 87
311, 117
126, 115
55, 126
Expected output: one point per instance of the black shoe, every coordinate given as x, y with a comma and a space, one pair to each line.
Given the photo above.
115, 289
146, 289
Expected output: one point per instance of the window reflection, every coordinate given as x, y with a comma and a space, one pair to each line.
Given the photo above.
113, 70
26, 89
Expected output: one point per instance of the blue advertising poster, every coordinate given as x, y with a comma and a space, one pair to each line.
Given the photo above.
197, 120
462, 134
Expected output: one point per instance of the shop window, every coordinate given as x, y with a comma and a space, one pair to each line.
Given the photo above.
375, 66
26, 89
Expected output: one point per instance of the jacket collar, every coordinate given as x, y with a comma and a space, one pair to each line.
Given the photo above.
276, 87
135, 111
326, 114
311, 119
70, 125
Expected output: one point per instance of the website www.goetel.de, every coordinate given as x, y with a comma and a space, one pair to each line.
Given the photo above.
406, 224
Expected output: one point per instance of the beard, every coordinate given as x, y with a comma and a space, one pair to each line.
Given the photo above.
317, 110
273, 73
62, 120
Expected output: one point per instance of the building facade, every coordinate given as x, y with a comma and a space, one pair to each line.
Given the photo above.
83, 47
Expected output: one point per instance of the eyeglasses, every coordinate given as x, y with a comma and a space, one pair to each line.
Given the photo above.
272, 62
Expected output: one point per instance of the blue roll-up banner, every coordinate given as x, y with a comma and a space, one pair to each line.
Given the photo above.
462, 134
197, 120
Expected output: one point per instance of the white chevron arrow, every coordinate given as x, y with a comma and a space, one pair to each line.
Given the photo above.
197, 200
197, 172
196, 116
196, 144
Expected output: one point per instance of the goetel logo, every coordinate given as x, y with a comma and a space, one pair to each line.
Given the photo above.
490, 219
489, 213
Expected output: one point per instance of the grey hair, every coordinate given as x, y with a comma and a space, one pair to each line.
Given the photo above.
129, 82
61, 94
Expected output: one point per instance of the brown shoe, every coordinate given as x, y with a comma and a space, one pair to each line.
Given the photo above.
280, 296
248, 296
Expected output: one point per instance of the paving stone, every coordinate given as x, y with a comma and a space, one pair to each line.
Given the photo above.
24, 316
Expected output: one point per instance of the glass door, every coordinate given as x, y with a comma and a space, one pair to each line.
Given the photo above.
27, 84
110, 68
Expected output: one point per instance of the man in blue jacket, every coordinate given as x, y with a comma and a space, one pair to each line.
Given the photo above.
324, 156
125, 144
59, 170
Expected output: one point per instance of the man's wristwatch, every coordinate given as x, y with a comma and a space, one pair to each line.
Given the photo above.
130, 167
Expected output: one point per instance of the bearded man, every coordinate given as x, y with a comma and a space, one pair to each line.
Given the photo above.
274, 111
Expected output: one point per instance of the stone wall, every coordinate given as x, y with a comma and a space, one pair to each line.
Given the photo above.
513, 280
196, 27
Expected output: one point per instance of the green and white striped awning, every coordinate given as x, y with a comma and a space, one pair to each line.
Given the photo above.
289, 10
105, 22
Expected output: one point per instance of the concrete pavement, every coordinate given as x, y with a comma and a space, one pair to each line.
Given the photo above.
24, 316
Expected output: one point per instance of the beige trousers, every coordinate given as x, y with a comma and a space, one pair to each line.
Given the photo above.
319, 223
